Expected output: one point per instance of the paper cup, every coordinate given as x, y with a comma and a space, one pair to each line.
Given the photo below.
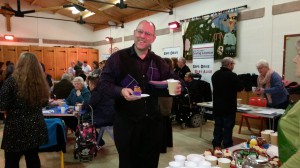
212, 159
175, 164
239, 101
205, 164
191, 156
224, 162
274, 138
172, 85
180, 159
190, 164
62, 109
78, 107
266, 135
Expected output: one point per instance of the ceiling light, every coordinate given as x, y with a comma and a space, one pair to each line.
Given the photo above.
74, 10
88, 14
174, 25
108, 39
8, 37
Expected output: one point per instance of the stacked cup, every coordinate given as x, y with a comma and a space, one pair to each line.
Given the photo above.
193, 161
224, 162
274, 138
266, 135
212, 159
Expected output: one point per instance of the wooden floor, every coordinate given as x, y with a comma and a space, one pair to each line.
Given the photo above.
186, 141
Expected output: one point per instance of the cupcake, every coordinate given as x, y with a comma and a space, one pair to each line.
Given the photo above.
227, 153
208, 152
218, 152
137, 91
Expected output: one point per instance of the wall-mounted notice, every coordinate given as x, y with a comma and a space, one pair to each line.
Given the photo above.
203, 60
170, 52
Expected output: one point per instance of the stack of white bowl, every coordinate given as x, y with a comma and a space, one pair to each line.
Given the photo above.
193, 161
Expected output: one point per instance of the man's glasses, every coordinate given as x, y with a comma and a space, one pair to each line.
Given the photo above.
140, 32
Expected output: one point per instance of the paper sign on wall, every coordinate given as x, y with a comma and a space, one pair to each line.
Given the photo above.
203, 60
171, 52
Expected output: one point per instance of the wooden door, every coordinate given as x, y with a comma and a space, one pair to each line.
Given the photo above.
38, 51
83, 55
60, 57
289, 53
9, 54
48, 60
93, 55
72, 55
21, 49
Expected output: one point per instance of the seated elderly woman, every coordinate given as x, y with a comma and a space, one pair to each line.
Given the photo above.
80, 94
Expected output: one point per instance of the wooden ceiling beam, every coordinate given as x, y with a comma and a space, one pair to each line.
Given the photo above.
95, 10
33, 2
177, 3
163, 3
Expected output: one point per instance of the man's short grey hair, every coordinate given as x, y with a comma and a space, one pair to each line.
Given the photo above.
66, 76
226, 61
262, 63
78, 79
181, 59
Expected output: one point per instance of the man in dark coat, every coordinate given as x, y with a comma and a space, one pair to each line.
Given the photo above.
138, 123
182, 68
63, 88
225, 87
198, 90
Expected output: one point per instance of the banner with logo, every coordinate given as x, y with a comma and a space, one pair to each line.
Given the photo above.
203, 60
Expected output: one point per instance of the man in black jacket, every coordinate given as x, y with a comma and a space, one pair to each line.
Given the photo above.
182, 68
225, 87
138, 122
63, 88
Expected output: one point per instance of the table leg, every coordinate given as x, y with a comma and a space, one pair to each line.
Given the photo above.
201, 120
273, 127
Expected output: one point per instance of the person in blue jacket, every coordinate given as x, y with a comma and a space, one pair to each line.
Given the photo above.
103, 106
80, 94
270, 86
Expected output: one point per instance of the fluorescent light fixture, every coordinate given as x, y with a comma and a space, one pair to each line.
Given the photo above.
174, 25
8, 37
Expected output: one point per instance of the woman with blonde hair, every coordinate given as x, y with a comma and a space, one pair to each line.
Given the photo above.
22, 97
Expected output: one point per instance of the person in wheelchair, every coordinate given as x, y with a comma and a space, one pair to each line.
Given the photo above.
196, 90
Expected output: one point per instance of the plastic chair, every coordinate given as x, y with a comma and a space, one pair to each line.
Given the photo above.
57, 139
254, 101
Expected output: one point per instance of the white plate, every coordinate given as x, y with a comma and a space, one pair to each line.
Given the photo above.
142, 95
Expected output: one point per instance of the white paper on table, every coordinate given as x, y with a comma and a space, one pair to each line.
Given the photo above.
48, 111
244, 108
271, 111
